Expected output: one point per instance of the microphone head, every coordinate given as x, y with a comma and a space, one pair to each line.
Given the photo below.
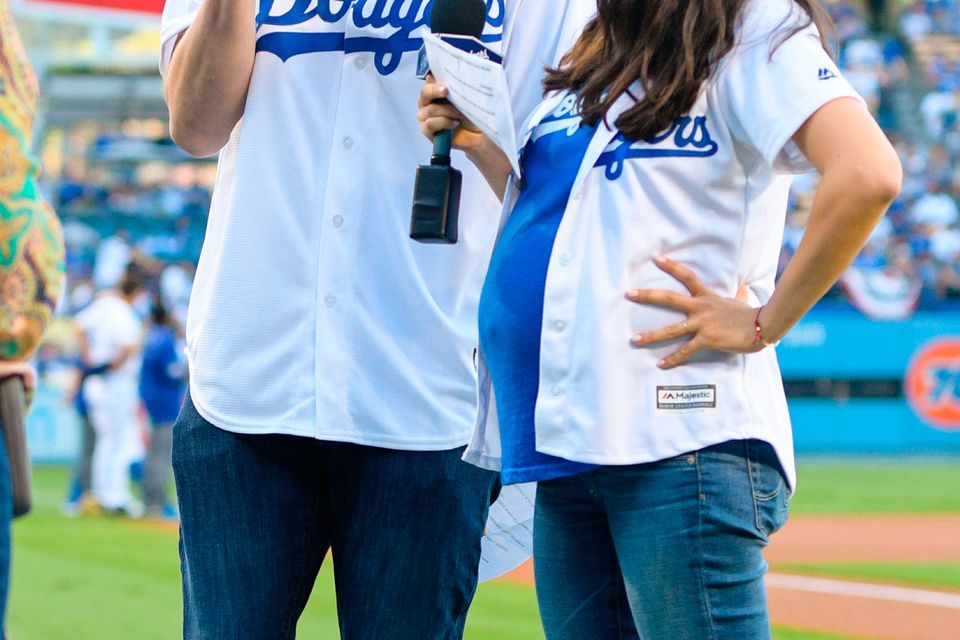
459, 17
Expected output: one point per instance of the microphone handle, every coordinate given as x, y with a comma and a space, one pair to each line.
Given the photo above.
442, 144
12, 422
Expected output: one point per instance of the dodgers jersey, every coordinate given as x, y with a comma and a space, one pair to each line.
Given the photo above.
313, 313
710, 192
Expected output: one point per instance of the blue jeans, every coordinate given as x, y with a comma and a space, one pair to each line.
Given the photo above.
260, 512
672, 549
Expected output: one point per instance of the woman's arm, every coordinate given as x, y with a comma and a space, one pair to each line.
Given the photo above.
436, 115
861, 176
209, 74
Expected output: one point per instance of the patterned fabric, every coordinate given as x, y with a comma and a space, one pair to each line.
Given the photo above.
32, 263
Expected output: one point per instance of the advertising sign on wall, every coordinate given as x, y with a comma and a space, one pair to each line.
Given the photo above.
861, 386
932, 383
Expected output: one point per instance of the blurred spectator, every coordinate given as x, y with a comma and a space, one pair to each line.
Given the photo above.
935, 208
113, 258
110, 341
916, 21
162, 379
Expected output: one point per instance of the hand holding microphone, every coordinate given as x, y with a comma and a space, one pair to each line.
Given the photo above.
440, 118
436, 200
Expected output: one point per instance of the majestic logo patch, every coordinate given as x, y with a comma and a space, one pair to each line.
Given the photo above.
694, 397
827, 74
389, 29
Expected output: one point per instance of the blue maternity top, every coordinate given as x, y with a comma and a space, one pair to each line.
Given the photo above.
511, 306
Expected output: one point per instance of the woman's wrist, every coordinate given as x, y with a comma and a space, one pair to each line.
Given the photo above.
484, 152
492, 163
767, 331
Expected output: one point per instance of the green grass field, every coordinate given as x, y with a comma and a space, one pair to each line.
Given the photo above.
104, 579
878, 486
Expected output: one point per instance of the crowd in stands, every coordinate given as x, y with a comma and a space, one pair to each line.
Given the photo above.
911, 261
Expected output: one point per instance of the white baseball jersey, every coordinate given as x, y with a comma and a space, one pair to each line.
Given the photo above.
313, 313
111, 325
711, 193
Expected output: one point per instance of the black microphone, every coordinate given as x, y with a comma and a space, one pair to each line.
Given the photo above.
436, 196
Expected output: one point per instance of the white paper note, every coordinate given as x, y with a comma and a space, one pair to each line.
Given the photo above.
478, 87
508, 541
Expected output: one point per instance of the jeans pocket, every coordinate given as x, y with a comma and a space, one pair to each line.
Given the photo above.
772, 514
771, 496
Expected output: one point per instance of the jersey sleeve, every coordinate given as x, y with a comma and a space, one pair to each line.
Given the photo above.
536, 35
769, 87
178, 15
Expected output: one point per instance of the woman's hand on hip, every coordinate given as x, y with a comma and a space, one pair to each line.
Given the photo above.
713, 322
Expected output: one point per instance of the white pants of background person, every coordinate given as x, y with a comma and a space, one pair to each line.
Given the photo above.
112, 402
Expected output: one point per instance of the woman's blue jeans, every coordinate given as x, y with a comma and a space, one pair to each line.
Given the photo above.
671, 550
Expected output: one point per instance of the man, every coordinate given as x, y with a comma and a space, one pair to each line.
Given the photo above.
111, 336
332, 376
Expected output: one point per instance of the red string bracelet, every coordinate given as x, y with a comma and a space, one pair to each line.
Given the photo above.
758, 331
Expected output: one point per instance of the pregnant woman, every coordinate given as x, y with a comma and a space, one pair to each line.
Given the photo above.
629, 315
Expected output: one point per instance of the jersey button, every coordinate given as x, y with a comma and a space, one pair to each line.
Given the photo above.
566, 259
560, 325
360, 63
348, 143
557, 391
330, 301
337, 222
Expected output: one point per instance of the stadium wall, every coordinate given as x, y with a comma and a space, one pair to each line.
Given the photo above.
860, 386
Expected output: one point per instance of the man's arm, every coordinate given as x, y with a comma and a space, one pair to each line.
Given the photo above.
209, 73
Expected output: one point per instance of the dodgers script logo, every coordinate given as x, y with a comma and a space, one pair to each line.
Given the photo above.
687, 137
566, 117
313, 29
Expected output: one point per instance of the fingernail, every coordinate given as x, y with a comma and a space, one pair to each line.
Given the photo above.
659, 259
662, 364
633, 293
456, 123
637, 339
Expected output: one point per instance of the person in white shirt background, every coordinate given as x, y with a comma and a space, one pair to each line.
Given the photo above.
332, 387
111, 335
643, 391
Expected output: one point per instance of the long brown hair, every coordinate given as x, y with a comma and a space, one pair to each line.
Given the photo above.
671, 46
